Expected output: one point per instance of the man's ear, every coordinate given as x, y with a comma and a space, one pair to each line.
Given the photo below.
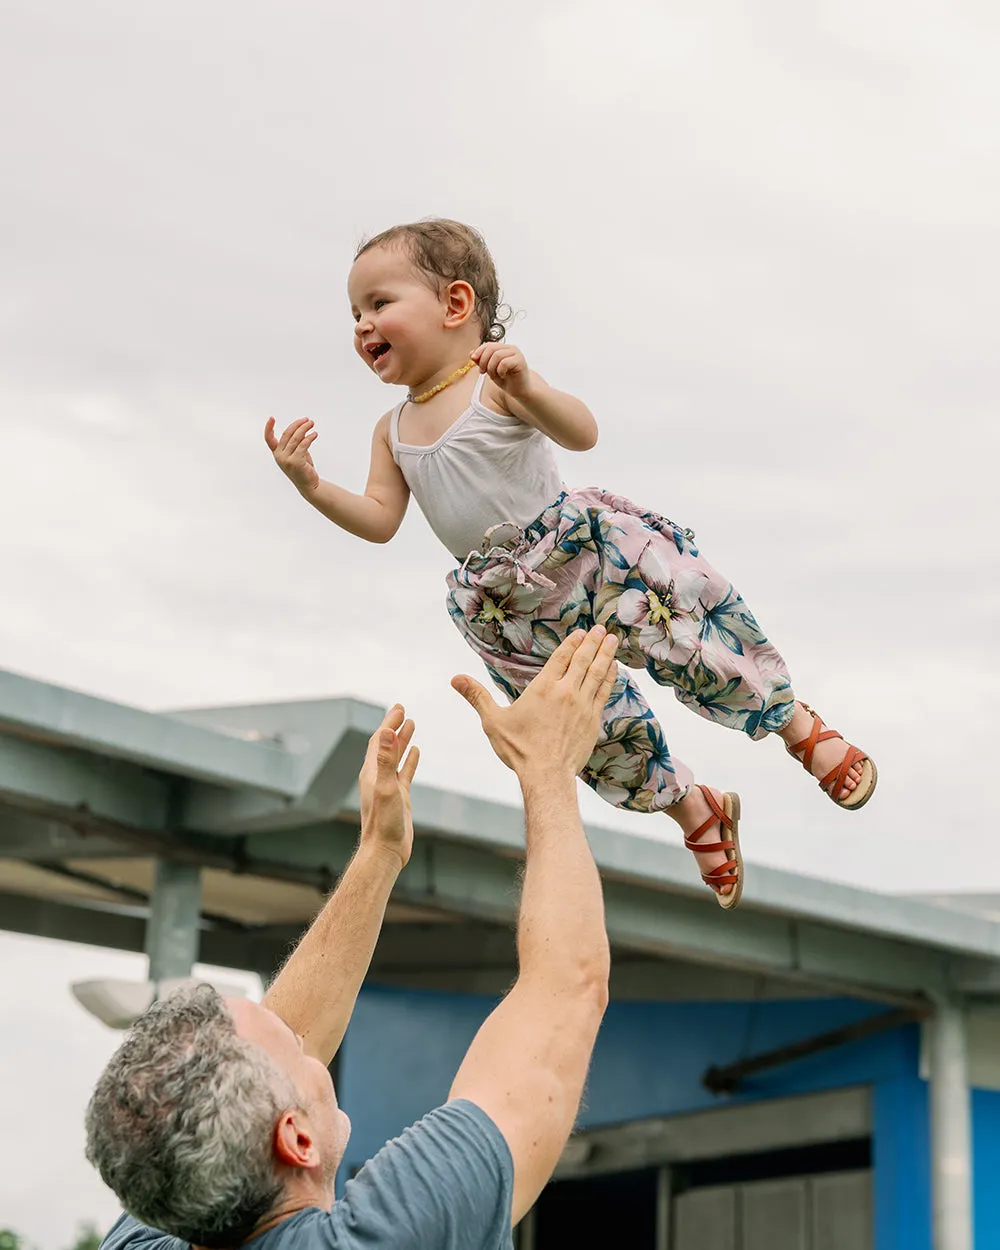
459, 304
294, 1142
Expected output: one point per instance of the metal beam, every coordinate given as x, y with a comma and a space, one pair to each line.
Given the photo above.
480, 885
751, 949
976, 978
131, 894
120, 928
666, 865
124, 928
774, 1124
328, 739
29, 837
66, 718
480, 958
657, 916
470, 882
60, 782
218, 811
727, 1078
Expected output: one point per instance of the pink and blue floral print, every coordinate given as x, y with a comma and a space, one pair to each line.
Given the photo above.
593, 557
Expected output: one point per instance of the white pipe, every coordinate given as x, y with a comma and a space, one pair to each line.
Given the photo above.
951, 1136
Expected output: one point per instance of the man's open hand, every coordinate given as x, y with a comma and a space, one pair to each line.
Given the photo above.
384, 785
553, 726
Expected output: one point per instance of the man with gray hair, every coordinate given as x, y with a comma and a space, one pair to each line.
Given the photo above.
216, 1122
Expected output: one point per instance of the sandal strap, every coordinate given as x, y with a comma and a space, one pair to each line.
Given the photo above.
723, 874
700, 848
836, 779
818, 733
718, 817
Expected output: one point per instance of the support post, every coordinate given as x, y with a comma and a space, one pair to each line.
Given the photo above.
664, 1208
951, 1137
172, 928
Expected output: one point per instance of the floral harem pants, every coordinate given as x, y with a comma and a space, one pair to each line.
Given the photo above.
595, 558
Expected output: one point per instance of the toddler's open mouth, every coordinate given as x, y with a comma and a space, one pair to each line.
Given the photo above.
378, 350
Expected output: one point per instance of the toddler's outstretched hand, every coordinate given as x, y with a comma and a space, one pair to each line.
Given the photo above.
506, 366
291, 452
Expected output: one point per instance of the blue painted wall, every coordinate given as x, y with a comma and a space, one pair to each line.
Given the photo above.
404, 1047
986, 1148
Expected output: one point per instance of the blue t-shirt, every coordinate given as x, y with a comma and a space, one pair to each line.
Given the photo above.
445, 1184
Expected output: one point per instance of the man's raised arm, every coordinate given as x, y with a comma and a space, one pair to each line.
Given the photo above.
315, 991
527, 1064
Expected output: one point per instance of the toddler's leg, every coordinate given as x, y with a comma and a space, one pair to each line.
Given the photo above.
632, 768
694, 632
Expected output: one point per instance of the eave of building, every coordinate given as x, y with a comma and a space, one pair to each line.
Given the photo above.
269, 792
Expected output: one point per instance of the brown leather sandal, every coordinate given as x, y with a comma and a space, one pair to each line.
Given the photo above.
731, 872
833, 782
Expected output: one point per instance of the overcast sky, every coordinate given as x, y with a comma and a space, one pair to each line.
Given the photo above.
761, 243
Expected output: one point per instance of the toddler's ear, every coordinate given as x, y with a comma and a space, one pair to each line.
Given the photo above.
460, 304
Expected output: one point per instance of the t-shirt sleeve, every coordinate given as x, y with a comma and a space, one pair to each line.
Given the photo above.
128, 1234
444, 1184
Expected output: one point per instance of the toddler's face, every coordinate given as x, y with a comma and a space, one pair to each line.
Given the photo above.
397, 316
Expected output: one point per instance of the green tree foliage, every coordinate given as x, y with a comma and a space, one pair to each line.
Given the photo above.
87, 1238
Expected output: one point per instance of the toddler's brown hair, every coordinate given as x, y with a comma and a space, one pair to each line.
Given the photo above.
448, 251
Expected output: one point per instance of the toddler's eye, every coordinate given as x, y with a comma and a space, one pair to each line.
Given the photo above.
379, 304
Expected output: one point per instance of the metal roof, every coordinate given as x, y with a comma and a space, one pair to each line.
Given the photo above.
264, 798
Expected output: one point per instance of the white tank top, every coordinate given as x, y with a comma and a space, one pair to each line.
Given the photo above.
486, 468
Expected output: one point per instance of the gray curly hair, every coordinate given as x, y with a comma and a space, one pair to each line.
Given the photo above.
181, 1123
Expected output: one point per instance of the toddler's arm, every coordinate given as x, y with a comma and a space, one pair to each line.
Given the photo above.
521, 392
377, 514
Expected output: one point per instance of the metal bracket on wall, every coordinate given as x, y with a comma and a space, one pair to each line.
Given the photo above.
728, 1078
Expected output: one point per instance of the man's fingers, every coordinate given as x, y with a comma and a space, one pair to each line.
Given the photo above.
409, 766
602, 668
269, 438
607, 685
387, 758
472, 692
382, 745
560, 659
585, 654
404, 734
393, 718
